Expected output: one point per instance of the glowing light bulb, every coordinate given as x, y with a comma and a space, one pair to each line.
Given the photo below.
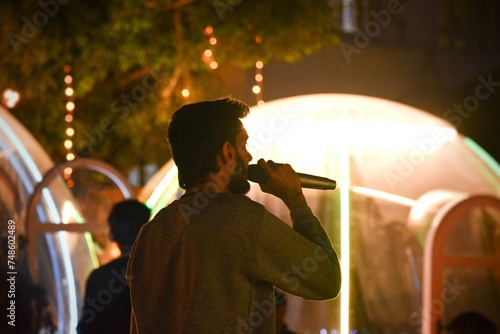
70, 132
259, 65
208, 30
213, 65
68, 171
256, 89
70, 106
10, 98
259, 77
185, 92
69, 91
212, 40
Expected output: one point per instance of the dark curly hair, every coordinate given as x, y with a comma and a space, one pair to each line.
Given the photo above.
197, 132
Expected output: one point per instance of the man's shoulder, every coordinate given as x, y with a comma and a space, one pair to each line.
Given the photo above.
102, 274
202, 200
115, 264
241, 202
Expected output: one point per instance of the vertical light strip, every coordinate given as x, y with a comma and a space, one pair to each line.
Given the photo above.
345, 224
62, 239
169, 177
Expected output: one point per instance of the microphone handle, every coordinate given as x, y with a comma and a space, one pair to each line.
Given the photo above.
256, 174
316, 182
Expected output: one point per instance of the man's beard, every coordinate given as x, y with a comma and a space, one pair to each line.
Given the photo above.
238, 183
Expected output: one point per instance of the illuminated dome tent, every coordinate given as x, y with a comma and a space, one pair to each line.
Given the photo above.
64, 259
415, 216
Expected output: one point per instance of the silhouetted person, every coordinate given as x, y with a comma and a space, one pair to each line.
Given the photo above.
471, 323
107, 296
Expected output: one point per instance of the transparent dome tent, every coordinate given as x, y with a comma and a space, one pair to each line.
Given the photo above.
54, 250
415, 217
64, 259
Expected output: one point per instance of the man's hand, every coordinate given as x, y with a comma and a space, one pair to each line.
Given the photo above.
282, 182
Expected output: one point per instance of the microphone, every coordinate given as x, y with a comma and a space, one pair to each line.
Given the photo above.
257, 175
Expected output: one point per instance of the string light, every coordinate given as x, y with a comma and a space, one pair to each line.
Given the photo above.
70, 131
209, 59
259, 78
257, 88
10, 98
207, 55
185, 93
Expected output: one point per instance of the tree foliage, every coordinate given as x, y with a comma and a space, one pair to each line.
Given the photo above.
130, 60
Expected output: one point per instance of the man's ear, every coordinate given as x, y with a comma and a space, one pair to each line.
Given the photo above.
227, 152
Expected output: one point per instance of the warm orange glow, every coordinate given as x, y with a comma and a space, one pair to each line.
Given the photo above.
212, 40
68, 79
70, 132
68, 118
70, 157
208, 30
214, 65
259, 77
258, 39
69, 91
208, 53
114, 250
68, 213
259, 65
68, 171
256, 89
185, 92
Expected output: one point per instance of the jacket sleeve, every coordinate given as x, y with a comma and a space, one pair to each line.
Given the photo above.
300, 261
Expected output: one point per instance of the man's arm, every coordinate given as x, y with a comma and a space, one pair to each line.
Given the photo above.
312, 269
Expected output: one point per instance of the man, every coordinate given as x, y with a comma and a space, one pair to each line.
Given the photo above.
209, 261
107, 297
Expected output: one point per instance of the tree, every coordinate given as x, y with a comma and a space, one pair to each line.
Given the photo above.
130, 60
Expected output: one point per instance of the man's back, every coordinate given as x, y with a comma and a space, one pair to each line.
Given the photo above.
210, 267
107, 300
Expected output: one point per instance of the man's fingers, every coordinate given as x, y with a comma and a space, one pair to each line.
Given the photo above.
265, 166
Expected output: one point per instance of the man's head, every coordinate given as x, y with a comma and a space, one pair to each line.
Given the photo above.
126, 219
200, 133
